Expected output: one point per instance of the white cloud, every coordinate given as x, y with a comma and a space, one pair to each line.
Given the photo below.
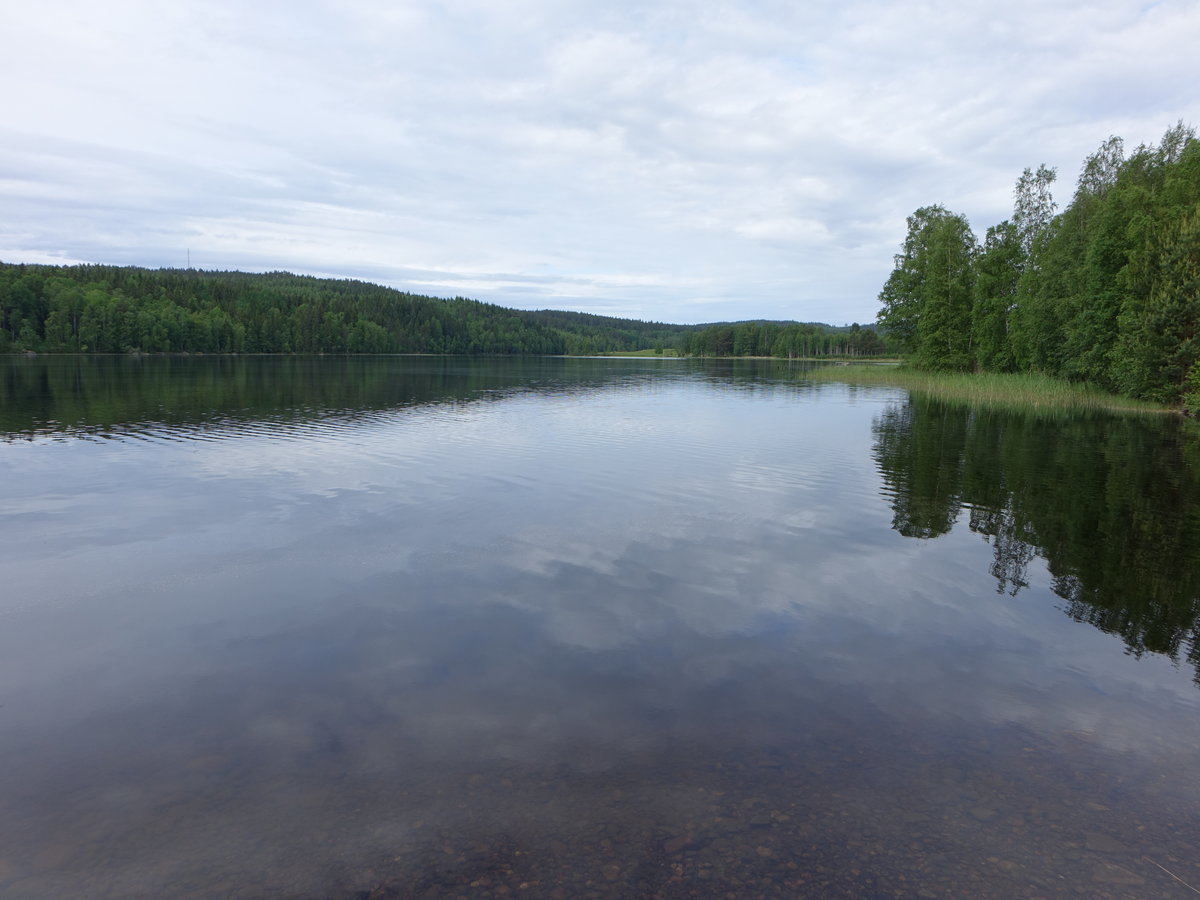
631, 157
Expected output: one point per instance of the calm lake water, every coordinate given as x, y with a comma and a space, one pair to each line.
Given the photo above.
393, 627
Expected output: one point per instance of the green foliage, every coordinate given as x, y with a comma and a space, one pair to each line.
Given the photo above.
785, 340
997, 269
1158, 343
1104, 292
927, 300
1191, 390
104, 309
1033, 206
587, 334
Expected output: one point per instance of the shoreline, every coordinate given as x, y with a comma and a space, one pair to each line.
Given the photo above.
992, 389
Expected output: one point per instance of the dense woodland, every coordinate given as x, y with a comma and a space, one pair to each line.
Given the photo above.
786, 340
106, 309
109, 309
1105, 291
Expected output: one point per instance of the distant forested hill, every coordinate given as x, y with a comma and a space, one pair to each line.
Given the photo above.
784, 339
107, 309
586, 333
110, 309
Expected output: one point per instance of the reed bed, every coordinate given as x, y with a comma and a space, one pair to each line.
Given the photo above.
992, 389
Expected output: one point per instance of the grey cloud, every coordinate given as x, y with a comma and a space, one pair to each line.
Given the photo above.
759, 156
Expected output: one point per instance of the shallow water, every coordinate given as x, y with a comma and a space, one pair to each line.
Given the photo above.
403, 627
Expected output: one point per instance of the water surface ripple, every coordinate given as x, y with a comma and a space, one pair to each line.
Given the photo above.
420, 627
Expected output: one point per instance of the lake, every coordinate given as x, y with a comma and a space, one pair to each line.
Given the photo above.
423, 627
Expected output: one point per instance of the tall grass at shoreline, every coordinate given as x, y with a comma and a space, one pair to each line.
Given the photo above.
992, 389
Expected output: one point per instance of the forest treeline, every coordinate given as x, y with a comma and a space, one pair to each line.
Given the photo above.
1107, 290
110, 309
786, 340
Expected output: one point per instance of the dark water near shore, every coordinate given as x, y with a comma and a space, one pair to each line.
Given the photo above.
558, 628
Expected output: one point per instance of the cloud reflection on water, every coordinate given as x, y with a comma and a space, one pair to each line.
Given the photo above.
361, 638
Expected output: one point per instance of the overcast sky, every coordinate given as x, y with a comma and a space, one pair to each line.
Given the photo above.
677, 161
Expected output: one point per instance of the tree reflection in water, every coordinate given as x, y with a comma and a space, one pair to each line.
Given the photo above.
1110, 502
